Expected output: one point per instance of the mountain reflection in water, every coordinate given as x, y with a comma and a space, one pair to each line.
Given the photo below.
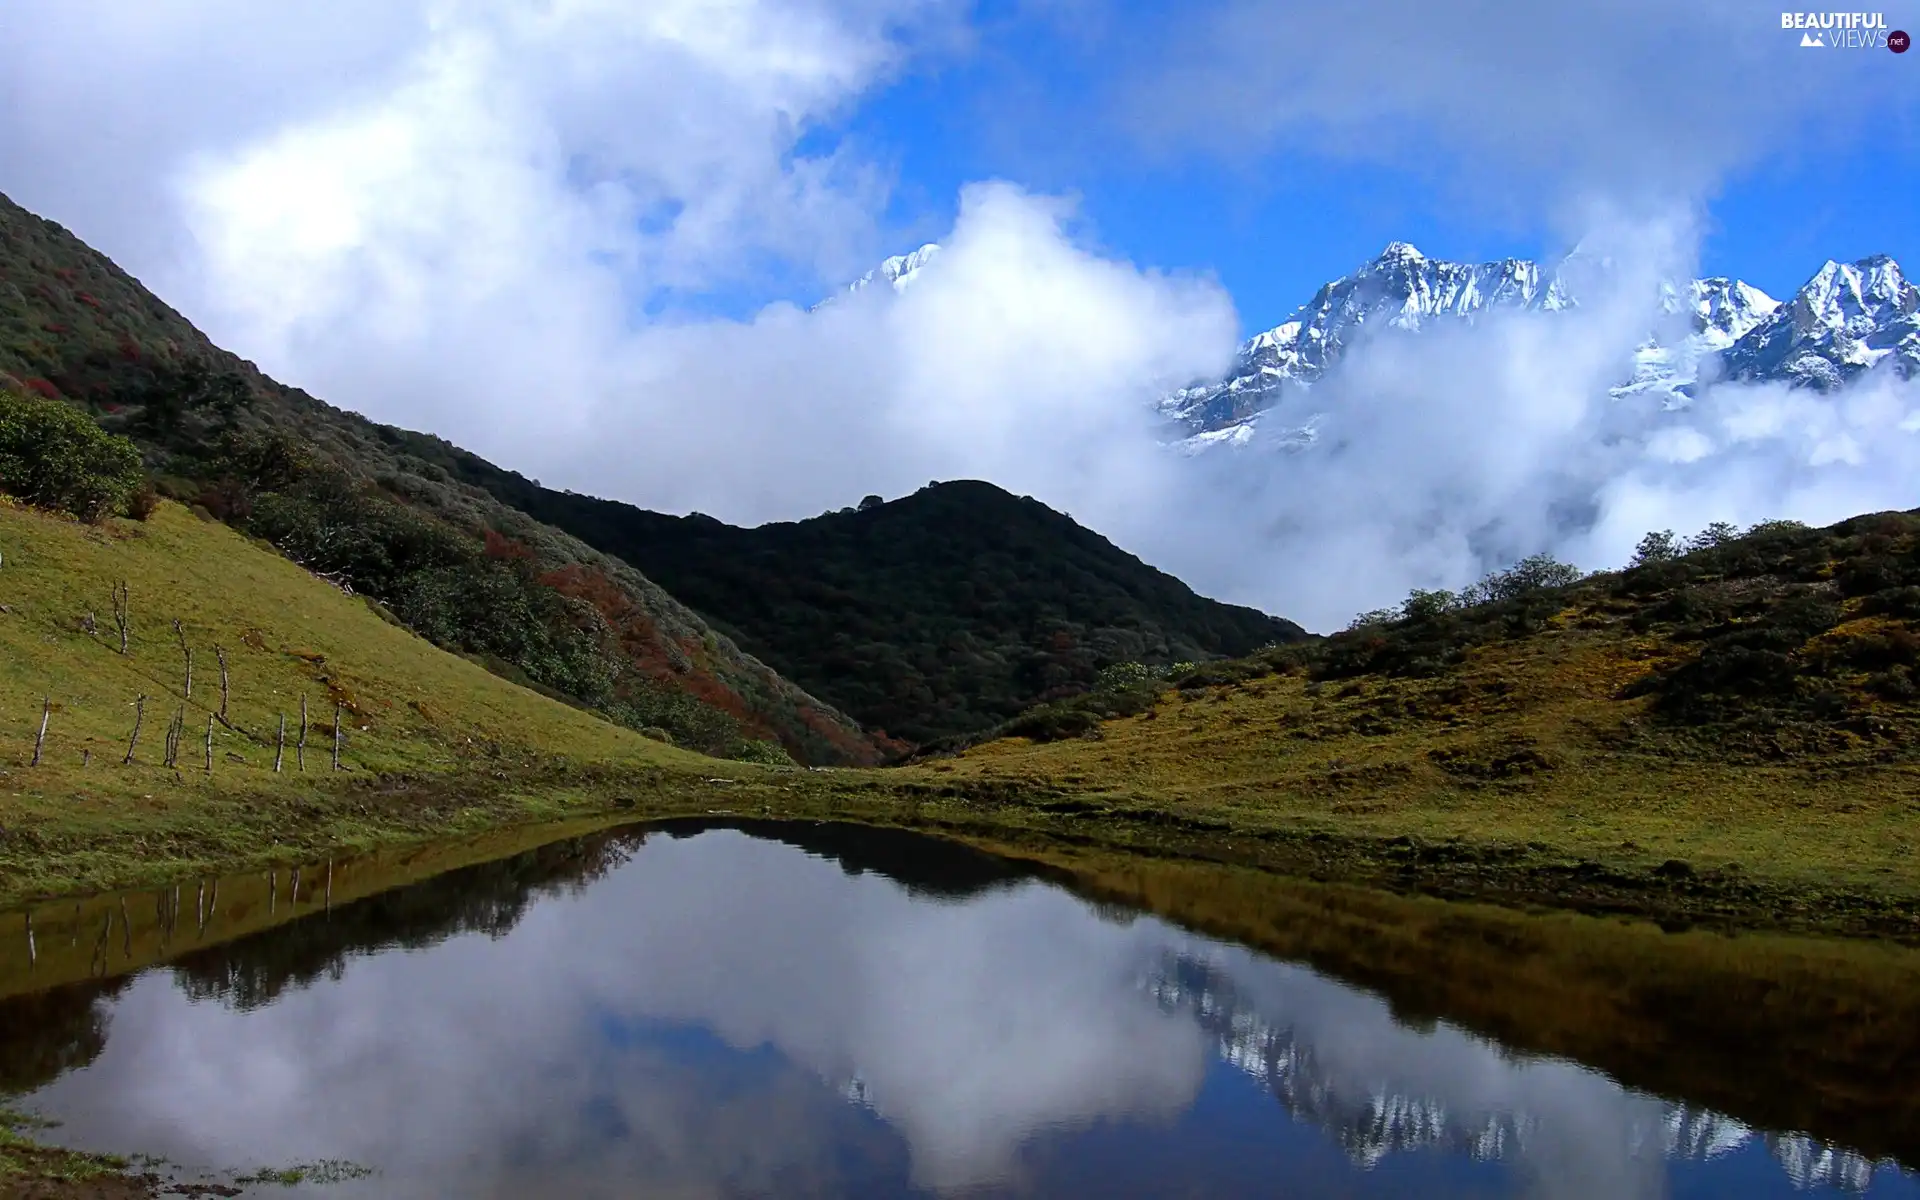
825, 1010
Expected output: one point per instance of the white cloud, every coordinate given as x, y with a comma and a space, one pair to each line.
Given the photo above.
495, 220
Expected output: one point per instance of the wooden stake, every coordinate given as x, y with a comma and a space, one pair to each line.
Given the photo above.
121, 616
280, 747
222, 656
300, 750
33, 953
40, 742
186, 652
329, 884
209, 745
139, 711
336, 735
86, 757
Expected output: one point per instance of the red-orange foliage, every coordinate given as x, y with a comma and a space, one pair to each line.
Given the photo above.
86, 299
54, 327
503, 547
642, 645
41, 387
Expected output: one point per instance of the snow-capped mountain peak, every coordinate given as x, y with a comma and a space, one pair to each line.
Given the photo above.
1723, 309
1846, 319
1401, 289
901, 269
1849, 318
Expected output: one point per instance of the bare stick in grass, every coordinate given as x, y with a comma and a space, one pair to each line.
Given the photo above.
139, 712
40, 742
121, 616
209, 745
186, 652
300, 749
280, 747
336, 735
222, 656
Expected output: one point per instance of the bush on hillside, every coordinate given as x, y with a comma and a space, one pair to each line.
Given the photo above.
53, 456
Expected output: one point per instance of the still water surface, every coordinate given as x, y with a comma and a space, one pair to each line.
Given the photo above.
836, 1013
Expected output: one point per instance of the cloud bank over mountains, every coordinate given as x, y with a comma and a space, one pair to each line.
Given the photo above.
502, 222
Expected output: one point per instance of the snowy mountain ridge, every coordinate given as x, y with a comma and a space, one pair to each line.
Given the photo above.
1849, 318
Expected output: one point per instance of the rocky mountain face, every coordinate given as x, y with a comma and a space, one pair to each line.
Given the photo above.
1848, 319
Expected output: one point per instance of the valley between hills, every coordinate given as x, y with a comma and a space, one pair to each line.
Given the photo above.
1723, 734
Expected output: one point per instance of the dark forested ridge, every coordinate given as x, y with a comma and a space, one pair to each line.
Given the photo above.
343, 496
941, 613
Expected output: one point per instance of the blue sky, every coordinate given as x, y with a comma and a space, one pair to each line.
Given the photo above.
1275, 223
560, 235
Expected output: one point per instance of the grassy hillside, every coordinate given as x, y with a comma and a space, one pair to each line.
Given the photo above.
1740, 718
937, 614
74, 326
410, 712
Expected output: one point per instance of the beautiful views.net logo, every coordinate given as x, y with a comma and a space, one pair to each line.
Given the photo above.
1844, 30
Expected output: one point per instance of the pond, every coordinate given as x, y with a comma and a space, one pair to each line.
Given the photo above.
814, 1010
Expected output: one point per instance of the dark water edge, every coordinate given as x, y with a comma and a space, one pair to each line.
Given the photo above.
1814, 1040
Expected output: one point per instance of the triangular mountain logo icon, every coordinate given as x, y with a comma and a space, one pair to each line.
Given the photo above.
1812, 39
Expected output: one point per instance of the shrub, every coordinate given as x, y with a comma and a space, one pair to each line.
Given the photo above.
1534, 573
52, 455
143, 500
1121, 676
1658, 546
1373, 617
767, 753
1713, 536
1424, 605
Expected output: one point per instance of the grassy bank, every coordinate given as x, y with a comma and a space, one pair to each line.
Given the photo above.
1732, 732
1527, 772
84, 817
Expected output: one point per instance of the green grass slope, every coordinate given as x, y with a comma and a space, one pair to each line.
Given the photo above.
937, 614
286, 634
427, 734
73, 325
1741, 720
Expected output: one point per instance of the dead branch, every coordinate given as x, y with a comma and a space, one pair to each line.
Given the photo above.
139, 712
121, 614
